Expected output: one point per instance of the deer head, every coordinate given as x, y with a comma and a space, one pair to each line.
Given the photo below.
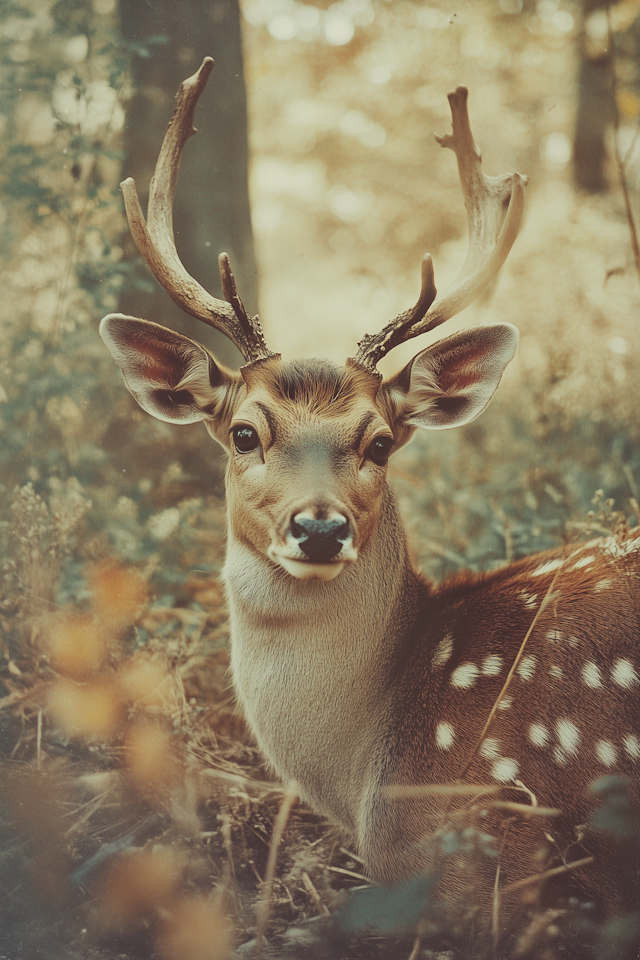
309, 441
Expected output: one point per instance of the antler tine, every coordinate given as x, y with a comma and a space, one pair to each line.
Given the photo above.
491, 236
155, 240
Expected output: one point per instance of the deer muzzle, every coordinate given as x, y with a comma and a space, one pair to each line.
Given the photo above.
315, 544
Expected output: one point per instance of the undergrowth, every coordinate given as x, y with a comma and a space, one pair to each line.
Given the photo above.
138, 819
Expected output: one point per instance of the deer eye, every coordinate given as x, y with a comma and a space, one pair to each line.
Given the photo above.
245, 439
380, 450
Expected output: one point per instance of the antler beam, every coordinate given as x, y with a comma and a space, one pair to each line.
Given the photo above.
155, 238
491, 236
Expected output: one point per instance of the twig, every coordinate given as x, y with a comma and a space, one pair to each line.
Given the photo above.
438, 790
525, 808
16, 696
230, 870
89, 810
495, 902
349, 873
620, 162
264, 905
39, 739
289, 895
510, 675
554, 872
349, 853
416, 949
539, 924
313, 893
263, 786
495, 909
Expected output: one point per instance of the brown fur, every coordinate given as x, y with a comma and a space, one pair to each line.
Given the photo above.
375, 679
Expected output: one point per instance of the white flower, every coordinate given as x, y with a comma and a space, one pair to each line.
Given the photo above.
162, 525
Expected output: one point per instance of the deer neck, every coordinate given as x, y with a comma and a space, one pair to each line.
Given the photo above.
310, 660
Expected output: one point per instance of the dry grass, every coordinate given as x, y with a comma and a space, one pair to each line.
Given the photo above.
140, 815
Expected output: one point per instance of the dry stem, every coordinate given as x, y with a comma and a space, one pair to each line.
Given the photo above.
313, 893
553, 872
620, 162
510, 675
264, 905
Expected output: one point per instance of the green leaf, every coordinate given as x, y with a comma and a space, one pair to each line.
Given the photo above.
388, 910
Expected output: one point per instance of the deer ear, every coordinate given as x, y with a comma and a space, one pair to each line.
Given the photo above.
450, 383
172, 377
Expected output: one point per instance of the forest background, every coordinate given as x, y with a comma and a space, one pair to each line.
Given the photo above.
110, 517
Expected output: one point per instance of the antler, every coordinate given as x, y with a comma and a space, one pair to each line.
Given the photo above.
155, 241
491, 236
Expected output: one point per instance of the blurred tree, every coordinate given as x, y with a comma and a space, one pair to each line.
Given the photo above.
595, 108
211, 209
168, 41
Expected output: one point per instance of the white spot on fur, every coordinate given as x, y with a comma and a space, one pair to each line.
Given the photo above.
505, 703
465, 675
560, 755
614, 547
527, 668
573, 641
602, 585
587, 546
583, 562
568, 736
632, 746
555, 672
445, 735
529, 599
547, 567
442, 652
492, 666
624, 674
591, 675
538, 734
505, 770
490, 748
606, 752
554, 636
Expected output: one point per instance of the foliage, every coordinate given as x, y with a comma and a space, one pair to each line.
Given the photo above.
62, 80
619, 816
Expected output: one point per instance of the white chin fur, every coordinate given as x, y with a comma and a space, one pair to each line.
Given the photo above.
310, 571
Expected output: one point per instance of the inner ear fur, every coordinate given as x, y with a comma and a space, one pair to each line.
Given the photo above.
172, 377
450, 383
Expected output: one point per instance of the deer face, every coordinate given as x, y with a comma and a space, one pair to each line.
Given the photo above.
308, 440
308, 451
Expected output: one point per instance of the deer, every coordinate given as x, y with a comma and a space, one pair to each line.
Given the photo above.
392, 702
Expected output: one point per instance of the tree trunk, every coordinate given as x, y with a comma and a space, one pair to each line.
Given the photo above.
595, 110
211, 209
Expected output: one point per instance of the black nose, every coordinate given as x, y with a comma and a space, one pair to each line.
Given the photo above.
319, 540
